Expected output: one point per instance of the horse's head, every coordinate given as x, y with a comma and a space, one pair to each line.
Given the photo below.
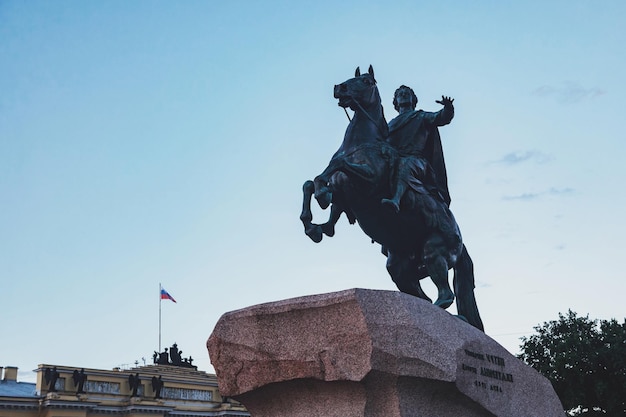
358, 92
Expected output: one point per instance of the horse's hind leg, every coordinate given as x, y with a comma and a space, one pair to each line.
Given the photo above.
464, 289
436, 255
404, 271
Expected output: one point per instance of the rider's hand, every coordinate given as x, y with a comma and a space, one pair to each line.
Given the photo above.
445, 101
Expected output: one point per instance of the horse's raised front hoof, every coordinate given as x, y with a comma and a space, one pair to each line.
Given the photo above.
328, 229
324, 197
445, 300
314, 231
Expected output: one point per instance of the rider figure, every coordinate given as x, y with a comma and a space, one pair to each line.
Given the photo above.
420, 167
415, 135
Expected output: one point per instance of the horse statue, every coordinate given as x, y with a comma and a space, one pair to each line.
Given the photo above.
422, 239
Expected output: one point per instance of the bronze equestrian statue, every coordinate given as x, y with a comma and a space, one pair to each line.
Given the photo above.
391, 179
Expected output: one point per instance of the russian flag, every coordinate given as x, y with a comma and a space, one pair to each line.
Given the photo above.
166, 296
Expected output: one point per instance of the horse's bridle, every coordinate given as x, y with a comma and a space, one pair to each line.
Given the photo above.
383, 134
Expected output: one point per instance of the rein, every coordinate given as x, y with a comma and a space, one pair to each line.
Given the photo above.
382, 134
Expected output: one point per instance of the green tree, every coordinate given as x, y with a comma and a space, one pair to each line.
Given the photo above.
584, 359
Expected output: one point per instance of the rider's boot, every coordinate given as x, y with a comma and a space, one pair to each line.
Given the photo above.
391, 202
394, 202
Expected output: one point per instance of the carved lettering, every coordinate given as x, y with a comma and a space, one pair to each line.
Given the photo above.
491, 373
479, 356
480, 384
488, 372
469, 368
495, 388
496, 360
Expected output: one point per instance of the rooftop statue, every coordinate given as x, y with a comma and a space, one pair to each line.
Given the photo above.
392, 180
157, 386
51, 376
173, 358
133, 383
79, 379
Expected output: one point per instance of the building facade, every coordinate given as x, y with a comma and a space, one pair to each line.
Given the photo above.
148, 391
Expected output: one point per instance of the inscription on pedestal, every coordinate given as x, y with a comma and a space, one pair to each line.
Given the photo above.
490, 371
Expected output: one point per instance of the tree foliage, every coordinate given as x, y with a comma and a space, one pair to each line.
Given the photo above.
584, 359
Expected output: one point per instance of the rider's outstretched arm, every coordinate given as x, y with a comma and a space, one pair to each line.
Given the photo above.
445, 115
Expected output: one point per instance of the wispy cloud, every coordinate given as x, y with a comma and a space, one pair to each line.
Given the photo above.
518, 157
554, 192
560, 191
569, 92
523, 197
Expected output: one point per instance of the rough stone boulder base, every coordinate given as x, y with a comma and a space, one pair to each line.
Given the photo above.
369, 353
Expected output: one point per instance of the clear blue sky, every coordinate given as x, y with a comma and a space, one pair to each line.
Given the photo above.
158, 141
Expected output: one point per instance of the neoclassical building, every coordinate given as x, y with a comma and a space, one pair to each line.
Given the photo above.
157, 390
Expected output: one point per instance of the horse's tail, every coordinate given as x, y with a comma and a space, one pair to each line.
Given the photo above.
464, 290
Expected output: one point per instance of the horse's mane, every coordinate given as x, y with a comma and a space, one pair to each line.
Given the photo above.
382, 122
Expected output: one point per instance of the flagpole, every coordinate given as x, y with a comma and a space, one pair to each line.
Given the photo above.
160, 317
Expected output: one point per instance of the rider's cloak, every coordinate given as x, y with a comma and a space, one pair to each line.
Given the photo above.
406, 126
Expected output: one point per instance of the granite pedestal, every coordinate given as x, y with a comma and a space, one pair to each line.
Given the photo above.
369, 353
